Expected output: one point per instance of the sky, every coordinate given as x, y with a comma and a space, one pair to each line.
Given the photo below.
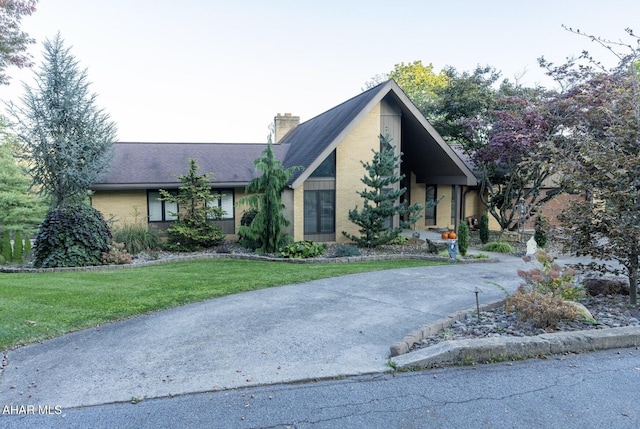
219, 71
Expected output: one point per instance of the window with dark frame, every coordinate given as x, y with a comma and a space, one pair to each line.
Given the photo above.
223, 198
165, 211
430, 212
161, 211
319, 211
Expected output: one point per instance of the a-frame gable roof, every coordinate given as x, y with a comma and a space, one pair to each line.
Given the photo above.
149, 165
312, 141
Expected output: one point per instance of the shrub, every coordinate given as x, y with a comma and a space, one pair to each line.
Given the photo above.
1, 260
499, 247
71, 235
187, 236
137, 238
540, 309
7, 253
484, 228
463, 238
27, 245
540, 235
243, 233
543, 298
302, 249
116, 255
400, 240
346, 250
18, 247
551, 278
194, 229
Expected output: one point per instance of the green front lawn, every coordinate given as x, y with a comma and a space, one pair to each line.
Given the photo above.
35, 307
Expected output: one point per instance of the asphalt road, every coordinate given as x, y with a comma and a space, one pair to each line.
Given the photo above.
595, 390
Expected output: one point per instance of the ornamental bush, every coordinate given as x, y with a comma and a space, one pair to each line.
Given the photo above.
544, 299
463, 238
117, 255
18, 247
137, 238
71, 235
540, 234
484, 228
499, 247
346, 250
7, 253
302, 249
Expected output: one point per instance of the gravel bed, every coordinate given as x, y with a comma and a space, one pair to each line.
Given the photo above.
609, 312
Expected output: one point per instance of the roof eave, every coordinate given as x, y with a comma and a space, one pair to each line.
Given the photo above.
165, 185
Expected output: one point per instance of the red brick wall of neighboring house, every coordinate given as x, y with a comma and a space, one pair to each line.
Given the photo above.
552, 209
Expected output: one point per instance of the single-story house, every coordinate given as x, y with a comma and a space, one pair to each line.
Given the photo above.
329, 147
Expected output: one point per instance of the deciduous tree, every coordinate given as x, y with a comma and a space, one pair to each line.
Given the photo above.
20, 208
418, 81
601, 155
514, 156
14, 41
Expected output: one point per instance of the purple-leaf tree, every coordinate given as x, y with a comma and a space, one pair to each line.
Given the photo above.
513, 159
600, 156
14, 41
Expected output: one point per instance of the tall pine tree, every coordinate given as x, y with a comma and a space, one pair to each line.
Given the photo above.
68, 142
381, 199
67, 139
194, 228
266, 230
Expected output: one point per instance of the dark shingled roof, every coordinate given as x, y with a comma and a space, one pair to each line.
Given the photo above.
309, 139
156, 164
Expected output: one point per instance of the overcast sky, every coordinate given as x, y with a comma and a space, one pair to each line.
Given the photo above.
219, 71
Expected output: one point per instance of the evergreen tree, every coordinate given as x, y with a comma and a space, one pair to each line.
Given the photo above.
381, 199
194, 228
27, 244
540, 231
68, 142
66, 138
463, 238
18, 247
266, 230
7, 252
484, 228
20, 208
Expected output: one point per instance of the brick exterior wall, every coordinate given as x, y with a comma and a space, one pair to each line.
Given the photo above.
355, 147
119, 206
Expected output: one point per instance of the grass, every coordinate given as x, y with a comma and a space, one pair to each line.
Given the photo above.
34, 307
498, 246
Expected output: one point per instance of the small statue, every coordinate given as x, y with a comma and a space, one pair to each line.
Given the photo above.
453, 249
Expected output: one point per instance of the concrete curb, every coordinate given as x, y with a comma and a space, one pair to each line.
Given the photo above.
484, 350
403, 346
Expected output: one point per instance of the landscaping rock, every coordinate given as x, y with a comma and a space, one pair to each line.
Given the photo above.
436, 247
607, 285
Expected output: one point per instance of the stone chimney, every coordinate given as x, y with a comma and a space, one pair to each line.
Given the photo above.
284, 124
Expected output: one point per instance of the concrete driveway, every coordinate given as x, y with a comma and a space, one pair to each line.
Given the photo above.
325, 328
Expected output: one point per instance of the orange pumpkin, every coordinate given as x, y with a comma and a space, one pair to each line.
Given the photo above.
445, 235
452, 235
